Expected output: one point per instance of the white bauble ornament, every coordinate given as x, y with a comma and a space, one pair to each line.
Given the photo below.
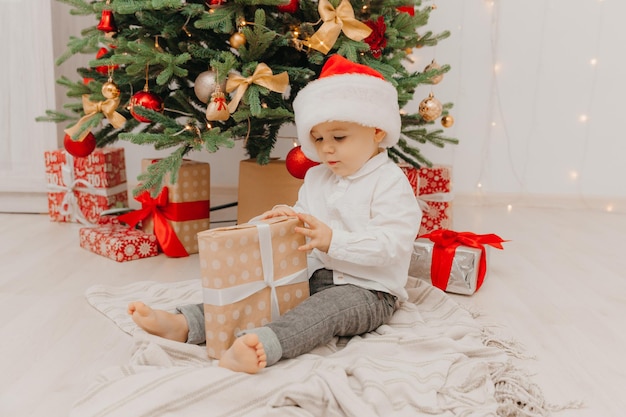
205, 85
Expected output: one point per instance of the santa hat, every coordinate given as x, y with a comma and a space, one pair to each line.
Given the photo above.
347, 92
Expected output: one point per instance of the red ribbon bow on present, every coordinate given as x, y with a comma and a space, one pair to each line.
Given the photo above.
446, 241
162, 210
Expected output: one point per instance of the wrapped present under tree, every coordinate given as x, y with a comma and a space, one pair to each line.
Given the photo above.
118, 242
433, 189
79, 189
179, 211
251, 274
452, 261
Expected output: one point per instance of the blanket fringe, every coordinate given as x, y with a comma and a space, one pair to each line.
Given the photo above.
510, 346
517, 396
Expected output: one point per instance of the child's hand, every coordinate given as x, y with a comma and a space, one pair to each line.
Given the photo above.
319, 233
278, 211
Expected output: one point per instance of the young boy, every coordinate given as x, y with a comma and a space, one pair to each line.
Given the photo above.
360, 217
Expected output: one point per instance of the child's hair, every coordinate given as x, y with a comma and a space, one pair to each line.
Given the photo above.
348, 92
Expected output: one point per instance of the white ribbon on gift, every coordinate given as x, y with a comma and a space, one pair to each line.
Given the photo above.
69, 204
231, 295
424, 199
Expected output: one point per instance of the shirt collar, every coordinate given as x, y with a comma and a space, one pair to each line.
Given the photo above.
371, 165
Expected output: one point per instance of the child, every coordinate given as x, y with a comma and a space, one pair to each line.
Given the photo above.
360, 217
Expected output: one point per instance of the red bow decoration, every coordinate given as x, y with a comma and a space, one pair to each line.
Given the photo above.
446, 241
162, 210
221, 103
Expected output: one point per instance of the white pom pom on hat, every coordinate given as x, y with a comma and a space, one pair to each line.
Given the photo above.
348, 92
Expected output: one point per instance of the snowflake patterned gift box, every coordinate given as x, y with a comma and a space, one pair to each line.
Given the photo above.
433, 189
455, 262
79, 189
251, 274
118, 242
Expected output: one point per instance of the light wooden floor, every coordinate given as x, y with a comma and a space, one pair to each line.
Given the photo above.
559, 288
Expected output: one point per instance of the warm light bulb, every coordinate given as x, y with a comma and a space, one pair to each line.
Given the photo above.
593, 61
479, 185
509, 208
573, 175
583, 118
493, 123
496, 68
609, 208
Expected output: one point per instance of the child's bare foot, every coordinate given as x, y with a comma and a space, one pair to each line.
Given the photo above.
245, 355
158, 322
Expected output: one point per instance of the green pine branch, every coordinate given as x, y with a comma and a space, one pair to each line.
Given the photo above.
163, 45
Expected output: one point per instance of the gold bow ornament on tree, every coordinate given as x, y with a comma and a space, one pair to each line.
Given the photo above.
336, 21
106, 107
262, 76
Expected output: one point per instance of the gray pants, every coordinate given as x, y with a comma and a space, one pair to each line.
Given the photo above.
331, 310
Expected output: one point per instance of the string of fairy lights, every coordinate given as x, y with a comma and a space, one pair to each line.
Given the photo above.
497, 126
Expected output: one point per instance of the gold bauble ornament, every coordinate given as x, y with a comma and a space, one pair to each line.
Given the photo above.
237, 40
110, 89
434, 66
430, 108
447, 121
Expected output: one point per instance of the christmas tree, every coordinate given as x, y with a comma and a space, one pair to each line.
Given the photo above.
192, 75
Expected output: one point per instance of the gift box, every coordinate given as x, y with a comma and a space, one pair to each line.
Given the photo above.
455, 262
433, 189
79, 189
261, 187
118, 242
251, 274
179, 211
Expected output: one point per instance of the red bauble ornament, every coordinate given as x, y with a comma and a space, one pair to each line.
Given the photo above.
148, 100
297, 163
290, 7
407, 9
81, 148
104, 69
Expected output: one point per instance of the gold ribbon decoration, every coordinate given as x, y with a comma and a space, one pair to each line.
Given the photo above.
262, 76
336, 21
91, 108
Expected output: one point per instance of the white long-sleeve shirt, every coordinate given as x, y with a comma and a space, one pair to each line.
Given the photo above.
374, 216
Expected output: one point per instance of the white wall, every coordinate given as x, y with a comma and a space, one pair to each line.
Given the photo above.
534, 114
519, 125
26, 86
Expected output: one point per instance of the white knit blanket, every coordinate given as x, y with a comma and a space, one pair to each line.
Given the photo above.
431, 360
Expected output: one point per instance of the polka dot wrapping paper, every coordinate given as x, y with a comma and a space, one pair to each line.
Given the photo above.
251, 274
433, 189
193, 184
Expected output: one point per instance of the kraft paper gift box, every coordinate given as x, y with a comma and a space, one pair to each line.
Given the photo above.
433, 189
179, 211
79, 189
118, 242
251, 274
455, 262
261, 187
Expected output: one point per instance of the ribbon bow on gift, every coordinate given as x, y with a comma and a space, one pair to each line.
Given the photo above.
91, 108
67, 184
161, 211
446, 241
336, 21
262, 76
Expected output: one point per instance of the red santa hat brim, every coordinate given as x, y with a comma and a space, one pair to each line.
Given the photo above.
348, 92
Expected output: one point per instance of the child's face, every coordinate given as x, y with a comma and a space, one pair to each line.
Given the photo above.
345, 146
